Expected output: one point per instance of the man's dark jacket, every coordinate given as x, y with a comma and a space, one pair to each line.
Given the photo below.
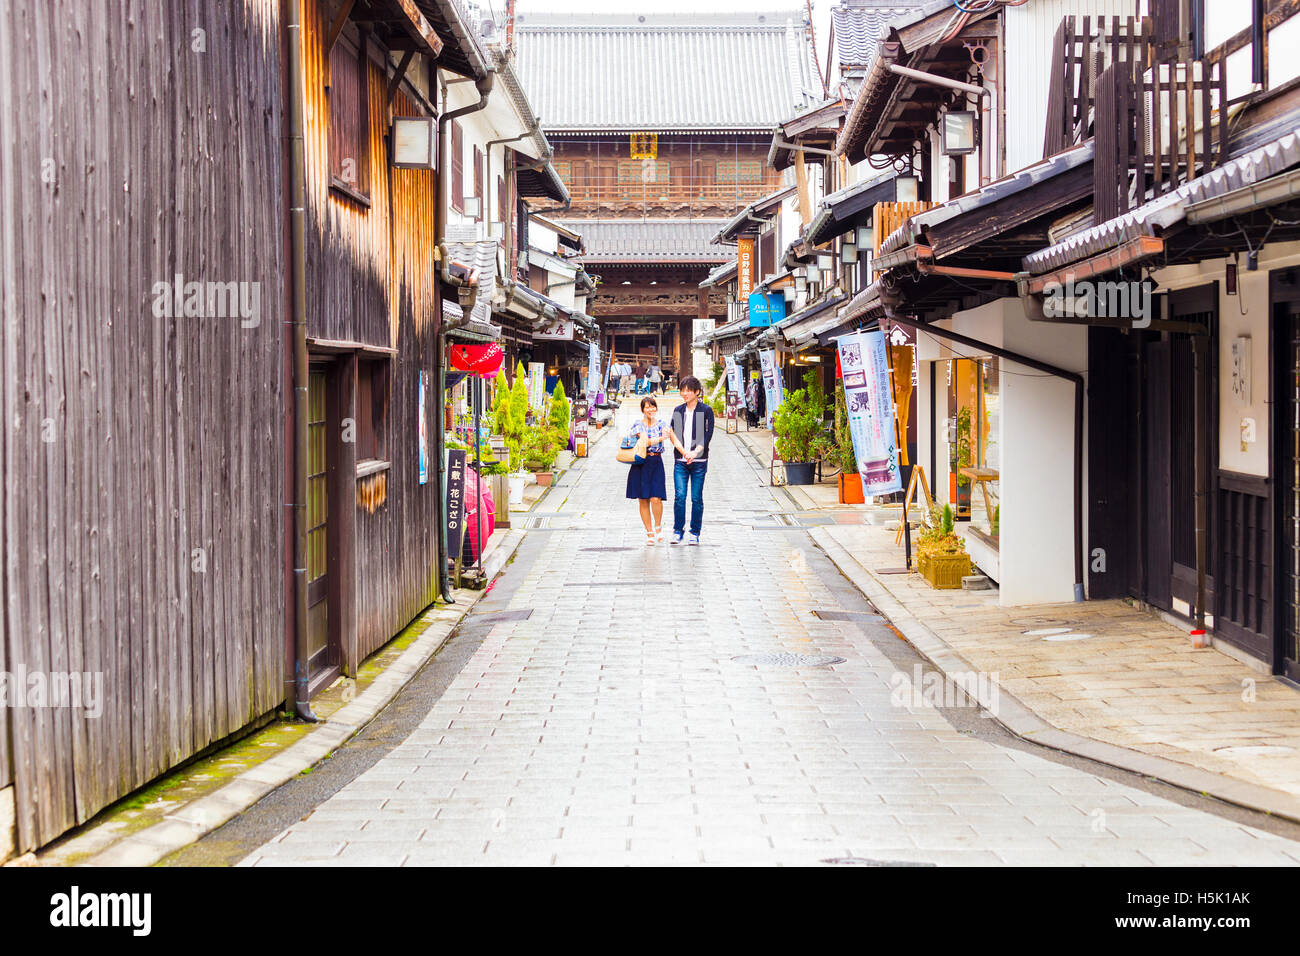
702, 427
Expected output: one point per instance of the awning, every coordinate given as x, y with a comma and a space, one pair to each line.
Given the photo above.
741, 220
1153, 219
798, 328
722, 273
846, 208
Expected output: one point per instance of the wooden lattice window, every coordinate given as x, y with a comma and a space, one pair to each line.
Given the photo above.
457, 166
739, 171
633, 171
349, 121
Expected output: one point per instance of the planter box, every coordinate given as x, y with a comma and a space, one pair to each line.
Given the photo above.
943, 571
851, 489
799, 472
544, 478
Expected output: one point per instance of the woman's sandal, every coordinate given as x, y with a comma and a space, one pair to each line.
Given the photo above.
650, 538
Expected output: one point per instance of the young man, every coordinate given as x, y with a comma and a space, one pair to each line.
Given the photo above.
692, 423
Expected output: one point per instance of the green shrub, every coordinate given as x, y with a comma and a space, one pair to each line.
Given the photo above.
946, 521
560, 413
517, 416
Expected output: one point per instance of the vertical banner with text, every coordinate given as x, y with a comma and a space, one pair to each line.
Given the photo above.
772, 384
593, 372
455, 501
424, 430
871, 411
744, 268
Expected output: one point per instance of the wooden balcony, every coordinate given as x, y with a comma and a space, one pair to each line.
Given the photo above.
697, 199
1155, 119
888, 216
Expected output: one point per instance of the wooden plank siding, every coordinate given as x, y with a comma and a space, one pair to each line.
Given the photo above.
142, 454
372, 279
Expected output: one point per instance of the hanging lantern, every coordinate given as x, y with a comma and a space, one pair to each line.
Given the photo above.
479, 359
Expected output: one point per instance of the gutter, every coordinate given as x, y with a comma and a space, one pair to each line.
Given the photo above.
1073, 377
484, 87
296, 349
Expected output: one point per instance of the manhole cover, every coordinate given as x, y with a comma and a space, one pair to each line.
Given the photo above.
1257, 750
856, 616
866, 861
1067, 637
1040, 622
520, 615
787, 660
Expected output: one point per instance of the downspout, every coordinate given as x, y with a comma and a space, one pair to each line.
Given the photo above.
298, 322
484, 87
1037, 365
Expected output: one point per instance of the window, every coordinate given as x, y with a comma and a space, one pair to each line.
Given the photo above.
372, 409
478, 182
457, 167
349, 121
739, 171
631, 171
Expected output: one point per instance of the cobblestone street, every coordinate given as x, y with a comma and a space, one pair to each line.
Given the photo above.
606, 719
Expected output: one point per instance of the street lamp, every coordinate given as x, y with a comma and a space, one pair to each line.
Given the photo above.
414, 142
959, 132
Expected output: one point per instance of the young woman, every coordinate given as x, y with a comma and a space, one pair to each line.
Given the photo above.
645, 482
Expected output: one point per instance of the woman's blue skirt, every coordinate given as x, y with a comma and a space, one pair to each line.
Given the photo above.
646, 480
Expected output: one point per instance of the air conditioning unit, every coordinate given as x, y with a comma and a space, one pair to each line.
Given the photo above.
1172, 108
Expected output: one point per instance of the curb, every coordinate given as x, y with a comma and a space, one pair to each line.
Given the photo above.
201, 816
1027, 725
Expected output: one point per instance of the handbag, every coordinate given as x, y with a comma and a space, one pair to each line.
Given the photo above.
632, 450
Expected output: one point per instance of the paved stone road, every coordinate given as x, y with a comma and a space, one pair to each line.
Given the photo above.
613, 726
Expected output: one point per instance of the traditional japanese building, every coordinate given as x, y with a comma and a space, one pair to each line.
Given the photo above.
661, 127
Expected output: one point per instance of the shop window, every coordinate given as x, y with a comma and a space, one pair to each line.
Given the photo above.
349, 122
974, 409
739, 171
372, 409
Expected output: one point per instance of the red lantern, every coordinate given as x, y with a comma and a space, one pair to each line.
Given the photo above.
478, 359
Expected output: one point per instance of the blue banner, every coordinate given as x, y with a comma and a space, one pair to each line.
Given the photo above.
765, 309
870, 402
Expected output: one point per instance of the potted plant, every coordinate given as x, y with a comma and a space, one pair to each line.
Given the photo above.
798, 423
541, 445
560, 418
941, 556
850, 480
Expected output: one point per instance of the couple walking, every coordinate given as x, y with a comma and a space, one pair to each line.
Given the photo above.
690, 430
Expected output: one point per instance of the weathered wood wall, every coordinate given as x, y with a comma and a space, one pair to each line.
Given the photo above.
143, 469
372, 279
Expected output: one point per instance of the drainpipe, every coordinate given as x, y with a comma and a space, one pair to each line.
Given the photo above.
298, 322
1035, 364
484, 87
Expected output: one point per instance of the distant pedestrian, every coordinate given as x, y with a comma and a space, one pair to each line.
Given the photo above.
625, 378
692, 430
641, 372
645, 481
656, 376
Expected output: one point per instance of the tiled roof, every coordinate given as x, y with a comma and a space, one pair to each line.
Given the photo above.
649, 240
861, 24
658, 73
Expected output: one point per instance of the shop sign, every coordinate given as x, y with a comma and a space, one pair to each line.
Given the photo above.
557, 330
455, 500
735, 379
745, 267
424, 430
536, 384
870, 404
765, 309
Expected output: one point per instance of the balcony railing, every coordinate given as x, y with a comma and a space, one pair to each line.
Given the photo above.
682, 197
1156, 119
888, 216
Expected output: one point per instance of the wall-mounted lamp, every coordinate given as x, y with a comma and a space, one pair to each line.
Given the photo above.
800, 283
959, 132
471, 206
814, 273
415, 142
848, 252
906, 188
825, 261
866, 237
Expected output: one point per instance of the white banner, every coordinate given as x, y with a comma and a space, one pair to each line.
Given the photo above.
536, 384
593, 372
870, 404
773, 387
734, 380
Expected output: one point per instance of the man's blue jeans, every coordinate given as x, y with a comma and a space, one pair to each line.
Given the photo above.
691, 475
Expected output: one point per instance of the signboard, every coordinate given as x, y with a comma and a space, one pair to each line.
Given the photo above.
733, 412
424, 429
455, 501
745, 267
871, 411
559, 329
765, 309
580, 413
536, 384
772, 384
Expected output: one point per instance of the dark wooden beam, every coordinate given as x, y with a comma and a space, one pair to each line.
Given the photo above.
396, 81
336, 27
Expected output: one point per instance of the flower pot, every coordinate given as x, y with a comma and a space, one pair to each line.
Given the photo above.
851, 489
544, 478
944, 571
799, 472
517, 488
